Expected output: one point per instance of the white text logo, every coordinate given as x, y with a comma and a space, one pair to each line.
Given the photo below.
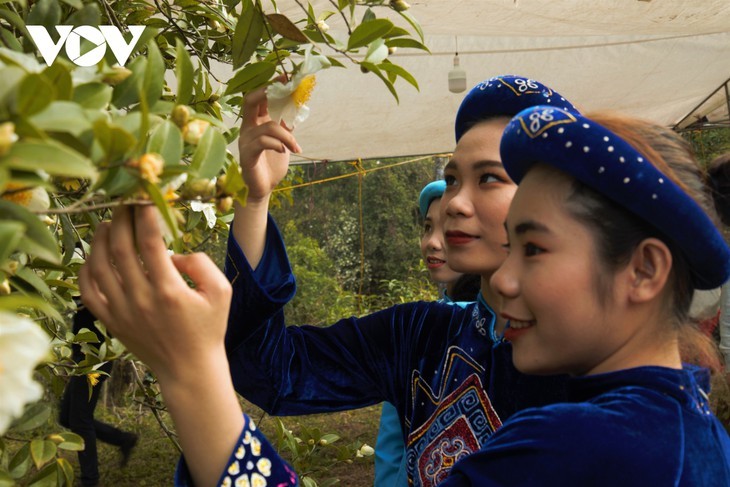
71, 36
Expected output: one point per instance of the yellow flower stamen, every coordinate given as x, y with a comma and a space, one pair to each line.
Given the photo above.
93, 378
303, 93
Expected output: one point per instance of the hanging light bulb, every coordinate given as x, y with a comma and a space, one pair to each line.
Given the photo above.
457, 76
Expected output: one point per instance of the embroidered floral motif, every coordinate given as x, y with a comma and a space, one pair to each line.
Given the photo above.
264, 466
234, 468
257, 480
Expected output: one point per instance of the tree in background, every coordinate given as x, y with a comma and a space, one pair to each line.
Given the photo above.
88, 133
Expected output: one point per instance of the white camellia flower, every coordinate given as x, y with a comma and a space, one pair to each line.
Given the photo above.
287, 101
208, 210
22, 346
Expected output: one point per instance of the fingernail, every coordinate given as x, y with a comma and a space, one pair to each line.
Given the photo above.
298, 149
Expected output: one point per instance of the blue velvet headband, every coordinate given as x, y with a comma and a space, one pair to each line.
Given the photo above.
505, 95
429, 193
609, 165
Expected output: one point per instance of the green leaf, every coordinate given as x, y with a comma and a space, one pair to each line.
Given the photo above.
115, 141
87, 336
17, 301
379, 74
154, 78
400, 71
27, 275
10, 234
71, 441
60, 77
251, 77
69, 238
20, 463
50, 156
184, 73
406, 43
42, 451
46, 477
35, 94
34, 416
246, 37
414, 23
37, 239
9, 39
210, 154
14, 20
286, 28
65, 471
126, 93
93, 95
77, 4
164, 208
167, 141
62, 116
46, 13
367, 32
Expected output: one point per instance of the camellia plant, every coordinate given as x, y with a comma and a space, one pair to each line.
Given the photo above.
78, 138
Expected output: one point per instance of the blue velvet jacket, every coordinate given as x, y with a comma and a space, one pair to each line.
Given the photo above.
450, 380
648, 426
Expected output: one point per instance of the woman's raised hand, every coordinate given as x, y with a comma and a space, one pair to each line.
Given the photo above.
264, 146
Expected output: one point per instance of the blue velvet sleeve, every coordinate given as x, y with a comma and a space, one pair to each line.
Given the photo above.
257, 295
356, 362
252, 462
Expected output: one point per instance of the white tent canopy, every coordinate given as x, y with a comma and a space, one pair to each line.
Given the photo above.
657, 59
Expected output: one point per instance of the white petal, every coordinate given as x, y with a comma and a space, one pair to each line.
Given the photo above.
377, 52
313, 62
278, 106
280, 90
301, 115
22, 346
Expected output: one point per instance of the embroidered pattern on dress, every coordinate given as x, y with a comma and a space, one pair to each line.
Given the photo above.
462, 422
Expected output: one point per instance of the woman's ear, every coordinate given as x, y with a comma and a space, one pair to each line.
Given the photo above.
649, 269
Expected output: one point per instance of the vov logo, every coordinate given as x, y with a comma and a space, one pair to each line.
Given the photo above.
71, 36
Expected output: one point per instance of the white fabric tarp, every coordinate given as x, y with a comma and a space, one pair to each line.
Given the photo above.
656, 59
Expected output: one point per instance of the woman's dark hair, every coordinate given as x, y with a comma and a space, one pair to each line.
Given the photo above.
466, 288
618, 231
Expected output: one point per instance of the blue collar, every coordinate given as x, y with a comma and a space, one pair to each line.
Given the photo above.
484, 315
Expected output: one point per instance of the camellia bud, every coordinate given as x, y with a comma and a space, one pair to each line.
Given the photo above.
400, 5
392, 50
150, 166
199, 188
180, 115
366, 450
7, 137
194, 130
224, 205
116, 75
214, 97
322, 26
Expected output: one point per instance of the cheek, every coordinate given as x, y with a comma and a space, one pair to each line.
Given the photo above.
424, 246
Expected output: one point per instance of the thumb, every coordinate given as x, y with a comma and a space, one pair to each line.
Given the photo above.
206, 276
